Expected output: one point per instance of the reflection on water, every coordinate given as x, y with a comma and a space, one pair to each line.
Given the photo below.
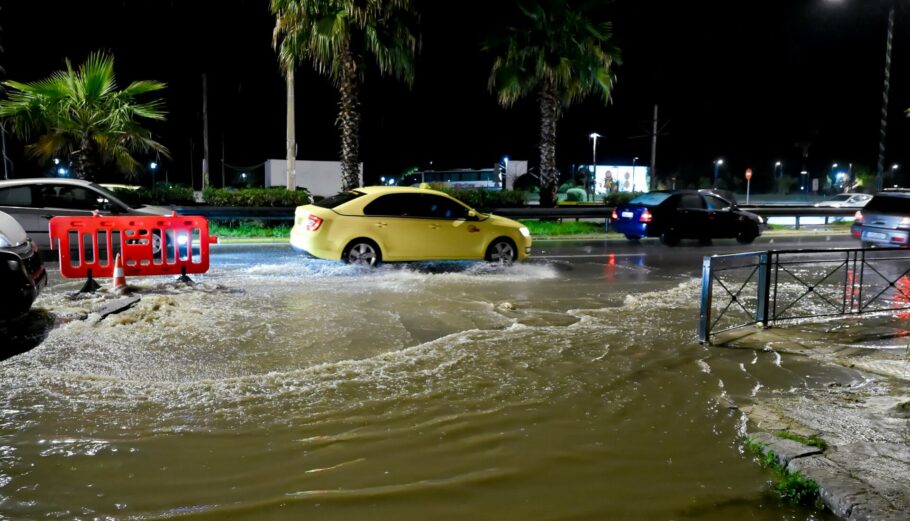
539, 391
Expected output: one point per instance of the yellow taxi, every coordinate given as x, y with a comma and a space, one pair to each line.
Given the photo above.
377, 224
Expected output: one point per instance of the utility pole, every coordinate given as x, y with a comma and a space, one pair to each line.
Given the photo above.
205, 132
291, 135
886, 92
654, 134
222, 159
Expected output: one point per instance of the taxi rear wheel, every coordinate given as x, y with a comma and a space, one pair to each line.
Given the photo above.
362, 252
502, 251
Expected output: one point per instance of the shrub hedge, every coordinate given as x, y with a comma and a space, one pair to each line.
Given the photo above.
617, 198
161, 194
483, 200
256, 197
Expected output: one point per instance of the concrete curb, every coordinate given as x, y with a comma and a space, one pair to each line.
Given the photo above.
847, 496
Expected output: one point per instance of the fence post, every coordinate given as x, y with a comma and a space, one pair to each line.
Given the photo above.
707, 293
762, 311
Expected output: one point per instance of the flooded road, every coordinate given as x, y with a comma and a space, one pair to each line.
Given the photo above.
571, 387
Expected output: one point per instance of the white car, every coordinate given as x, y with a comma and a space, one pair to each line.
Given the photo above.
845, 201
33, 202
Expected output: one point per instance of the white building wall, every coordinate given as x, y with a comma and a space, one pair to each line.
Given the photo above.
319, 177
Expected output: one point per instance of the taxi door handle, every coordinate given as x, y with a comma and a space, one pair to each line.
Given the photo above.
434, 226
381, 225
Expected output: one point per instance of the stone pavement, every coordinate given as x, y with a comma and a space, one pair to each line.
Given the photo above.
864, 474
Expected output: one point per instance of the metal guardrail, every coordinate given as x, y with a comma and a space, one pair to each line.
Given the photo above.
574, 212
772, 287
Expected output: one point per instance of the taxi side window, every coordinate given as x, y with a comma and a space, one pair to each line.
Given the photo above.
396, 205
442, 208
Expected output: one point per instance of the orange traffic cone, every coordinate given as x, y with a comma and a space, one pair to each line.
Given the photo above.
119, 277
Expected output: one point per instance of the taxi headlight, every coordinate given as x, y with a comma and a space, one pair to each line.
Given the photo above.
525, 232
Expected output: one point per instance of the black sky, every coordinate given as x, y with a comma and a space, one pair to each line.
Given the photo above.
739, 79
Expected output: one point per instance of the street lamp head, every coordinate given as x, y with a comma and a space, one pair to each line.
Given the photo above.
895, 167
153, 165
777, 164
595, 135
834, 165
56, 161
719, 162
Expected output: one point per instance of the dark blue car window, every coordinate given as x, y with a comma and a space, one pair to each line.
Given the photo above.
691, 202
653, 199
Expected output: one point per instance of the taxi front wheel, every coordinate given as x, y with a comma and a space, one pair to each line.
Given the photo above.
502, 251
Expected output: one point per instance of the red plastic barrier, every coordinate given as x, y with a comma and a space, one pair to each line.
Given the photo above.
149, 245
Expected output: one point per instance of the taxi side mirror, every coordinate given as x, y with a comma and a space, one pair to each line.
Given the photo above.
472, 215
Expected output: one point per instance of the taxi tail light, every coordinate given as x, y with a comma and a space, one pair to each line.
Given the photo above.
858, 218
646, 216
313, 223
615, 215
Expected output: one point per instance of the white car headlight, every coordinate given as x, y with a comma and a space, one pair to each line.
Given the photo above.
525, 232
4, 241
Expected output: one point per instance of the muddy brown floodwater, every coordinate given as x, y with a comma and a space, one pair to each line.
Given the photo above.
285, 388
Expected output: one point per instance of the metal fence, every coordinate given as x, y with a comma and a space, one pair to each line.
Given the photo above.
773, 287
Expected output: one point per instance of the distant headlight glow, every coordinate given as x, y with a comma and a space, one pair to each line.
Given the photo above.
525, 232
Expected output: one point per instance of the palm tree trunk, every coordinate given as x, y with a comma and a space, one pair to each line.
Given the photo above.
549, 115
349, 121
81, 164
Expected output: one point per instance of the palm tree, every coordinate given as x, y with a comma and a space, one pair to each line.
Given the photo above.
81, 114
559, 53
339, 38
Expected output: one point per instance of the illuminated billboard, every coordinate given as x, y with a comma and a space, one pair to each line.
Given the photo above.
615, 178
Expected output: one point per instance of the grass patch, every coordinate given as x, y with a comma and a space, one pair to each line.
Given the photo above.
812, 441
555, 228
249, 230
790, 486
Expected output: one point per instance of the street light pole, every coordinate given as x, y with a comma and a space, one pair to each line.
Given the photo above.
634, 163
717, 165
594, 137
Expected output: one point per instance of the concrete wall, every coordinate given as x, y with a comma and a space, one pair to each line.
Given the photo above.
319, 177
514, 170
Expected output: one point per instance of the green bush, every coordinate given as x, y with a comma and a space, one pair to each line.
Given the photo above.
576, 195
483, 200
161, 194
256, 197
618, 198
568, 185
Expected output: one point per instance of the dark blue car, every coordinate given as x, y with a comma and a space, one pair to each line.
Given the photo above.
675, 215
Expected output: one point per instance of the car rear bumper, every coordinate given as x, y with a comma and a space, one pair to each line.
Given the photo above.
312, 244
881, 236
629, 227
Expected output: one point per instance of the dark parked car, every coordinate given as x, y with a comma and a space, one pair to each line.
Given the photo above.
22, 274
675, 215
884, 221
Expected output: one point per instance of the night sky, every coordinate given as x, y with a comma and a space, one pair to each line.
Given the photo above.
743, 80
